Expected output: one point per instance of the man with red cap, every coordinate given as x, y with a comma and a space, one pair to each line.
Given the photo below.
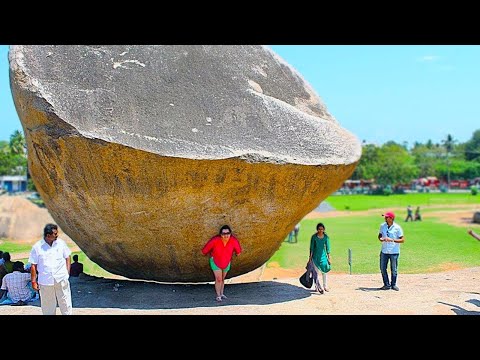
391, 236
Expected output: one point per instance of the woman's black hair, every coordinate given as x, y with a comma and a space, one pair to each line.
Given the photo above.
225, 227
321, 225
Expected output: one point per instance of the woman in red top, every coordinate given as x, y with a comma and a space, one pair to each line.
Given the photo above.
221, 248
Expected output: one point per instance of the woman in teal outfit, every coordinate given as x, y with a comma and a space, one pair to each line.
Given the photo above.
320, 254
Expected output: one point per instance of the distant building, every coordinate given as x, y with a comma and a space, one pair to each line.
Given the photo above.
13, 183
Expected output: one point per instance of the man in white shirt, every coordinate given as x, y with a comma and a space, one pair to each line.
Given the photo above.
50, 259
391, 236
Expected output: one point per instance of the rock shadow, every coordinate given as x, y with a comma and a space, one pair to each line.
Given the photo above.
94, 292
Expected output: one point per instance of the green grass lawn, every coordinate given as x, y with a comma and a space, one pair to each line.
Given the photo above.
89, 267
430, 245
13, 247
367, 202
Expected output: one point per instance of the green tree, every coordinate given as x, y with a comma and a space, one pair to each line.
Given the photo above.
395, 165
17, 143
459, 169
10, 163
472, 147
426, 159
367, 168
18, 146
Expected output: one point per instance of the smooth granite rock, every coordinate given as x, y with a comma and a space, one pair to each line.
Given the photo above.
141, 153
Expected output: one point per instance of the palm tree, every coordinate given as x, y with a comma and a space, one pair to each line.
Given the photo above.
448, 143
17, 143
18, 146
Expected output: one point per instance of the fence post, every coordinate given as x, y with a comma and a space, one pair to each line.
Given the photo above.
350, 260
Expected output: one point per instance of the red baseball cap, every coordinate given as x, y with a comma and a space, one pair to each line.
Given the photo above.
389, 214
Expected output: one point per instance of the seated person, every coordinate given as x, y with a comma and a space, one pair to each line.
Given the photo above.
7, 263
3, 272
16, 284
76, 268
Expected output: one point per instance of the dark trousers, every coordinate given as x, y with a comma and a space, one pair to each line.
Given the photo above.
393, 258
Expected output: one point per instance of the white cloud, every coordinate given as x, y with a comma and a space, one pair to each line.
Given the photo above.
434, 58
426, 58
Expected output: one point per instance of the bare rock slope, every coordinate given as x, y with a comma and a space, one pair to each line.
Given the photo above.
23, 221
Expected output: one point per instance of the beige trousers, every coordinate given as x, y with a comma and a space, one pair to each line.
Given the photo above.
58, 292
317, 280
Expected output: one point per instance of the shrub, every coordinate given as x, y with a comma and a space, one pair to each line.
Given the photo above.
387, 190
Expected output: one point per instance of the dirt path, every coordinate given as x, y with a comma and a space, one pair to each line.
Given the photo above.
445, 293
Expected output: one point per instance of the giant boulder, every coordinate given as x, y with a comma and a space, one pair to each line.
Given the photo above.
141, 153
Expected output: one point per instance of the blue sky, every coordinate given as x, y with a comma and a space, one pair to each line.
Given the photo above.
378, 92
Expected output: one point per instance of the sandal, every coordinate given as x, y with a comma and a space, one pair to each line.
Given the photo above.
223, 296
326, 289
218, 298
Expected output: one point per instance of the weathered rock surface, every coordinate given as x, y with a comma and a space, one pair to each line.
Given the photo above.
141, 153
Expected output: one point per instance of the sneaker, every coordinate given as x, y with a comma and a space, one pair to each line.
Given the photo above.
395, 287
223, 296
326, 289
385, 287
218, 298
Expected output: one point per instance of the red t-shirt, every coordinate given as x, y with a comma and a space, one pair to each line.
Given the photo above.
222, 254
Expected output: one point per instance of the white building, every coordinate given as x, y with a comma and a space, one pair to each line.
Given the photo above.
13, 183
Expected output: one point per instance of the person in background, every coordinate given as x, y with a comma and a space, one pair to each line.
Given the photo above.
391, 236
7, 262
296, 231
220, 248
294, 234
418, 216
50, 258
474, 234
320, 254
409, 213
76, 268
291, 234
